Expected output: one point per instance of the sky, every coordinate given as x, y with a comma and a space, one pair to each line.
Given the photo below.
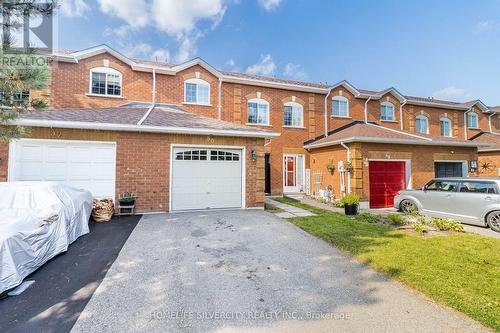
448, 49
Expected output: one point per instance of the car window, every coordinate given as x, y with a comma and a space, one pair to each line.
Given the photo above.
441, 185
478, 187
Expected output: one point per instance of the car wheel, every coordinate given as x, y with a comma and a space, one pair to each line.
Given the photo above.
408, 206
493, 221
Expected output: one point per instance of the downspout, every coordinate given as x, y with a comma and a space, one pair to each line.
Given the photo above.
465, 122
219, 105
401, 113
349, 161
154, 86
366, 109
153, 100
489, 121
326, 111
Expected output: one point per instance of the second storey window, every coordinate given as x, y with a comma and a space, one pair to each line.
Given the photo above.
293, 114
340, 106
258, 111
445, 125
387, 111
105, 81
197, 91
422, 124
472, 120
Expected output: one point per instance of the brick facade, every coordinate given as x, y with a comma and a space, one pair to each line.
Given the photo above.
143, 160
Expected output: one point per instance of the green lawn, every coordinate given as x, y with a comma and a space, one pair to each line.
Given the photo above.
459, 270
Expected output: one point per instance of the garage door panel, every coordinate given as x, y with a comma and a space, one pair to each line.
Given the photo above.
386, 179
85, 165
211, 183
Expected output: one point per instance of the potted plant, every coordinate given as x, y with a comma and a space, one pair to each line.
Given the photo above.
348, 167
351, 203
330, 167
127, 199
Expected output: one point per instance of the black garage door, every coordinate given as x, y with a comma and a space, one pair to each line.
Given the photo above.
448, 169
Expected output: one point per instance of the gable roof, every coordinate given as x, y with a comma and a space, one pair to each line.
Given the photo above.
359, 131
139, 117
492, 139
266, 81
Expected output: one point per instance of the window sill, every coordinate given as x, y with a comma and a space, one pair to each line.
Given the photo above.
389, 121
294, 127
342, 117
474, 128
263, 125
105, 96
199, 104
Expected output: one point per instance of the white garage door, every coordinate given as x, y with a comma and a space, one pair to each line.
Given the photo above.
85, 165
206, 178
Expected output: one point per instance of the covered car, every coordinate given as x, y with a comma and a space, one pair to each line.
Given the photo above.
38, 220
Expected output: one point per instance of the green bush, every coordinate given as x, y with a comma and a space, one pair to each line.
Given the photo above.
322, 200
351, 199
367, 217
447, 224
397, 219
420, 228
339, 204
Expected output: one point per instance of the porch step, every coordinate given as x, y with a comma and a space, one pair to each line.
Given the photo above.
294, 196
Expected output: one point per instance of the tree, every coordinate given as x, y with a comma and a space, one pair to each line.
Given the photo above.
21, 69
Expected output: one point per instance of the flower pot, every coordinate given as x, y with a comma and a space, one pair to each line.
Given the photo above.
351, 209
125, 203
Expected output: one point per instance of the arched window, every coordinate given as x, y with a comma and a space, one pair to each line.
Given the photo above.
340, 106
472, 120
197, 91
258, 111
422, 124
105, 81
387, 111
445, 126
293, 115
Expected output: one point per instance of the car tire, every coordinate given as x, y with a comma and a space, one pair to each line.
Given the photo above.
493, 220
408, 206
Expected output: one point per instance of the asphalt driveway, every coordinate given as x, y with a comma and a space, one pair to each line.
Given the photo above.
249, 271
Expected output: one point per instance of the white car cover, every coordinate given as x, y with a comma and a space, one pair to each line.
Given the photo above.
38, 220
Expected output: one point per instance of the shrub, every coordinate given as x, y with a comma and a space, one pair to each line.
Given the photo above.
322, 200
367, 217
351, 199
420, 228
339, 204
397, 219
448, 224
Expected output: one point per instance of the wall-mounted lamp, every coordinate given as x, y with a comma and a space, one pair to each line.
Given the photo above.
254, 155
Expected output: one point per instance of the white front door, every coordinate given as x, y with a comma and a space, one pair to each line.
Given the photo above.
293, 173
206, 178
80, 164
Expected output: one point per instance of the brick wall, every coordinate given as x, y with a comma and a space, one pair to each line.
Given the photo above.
143, 160
489, 164
319, 159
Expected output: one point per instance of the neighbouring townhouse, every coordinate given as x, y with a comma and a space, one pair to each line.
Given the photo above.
189, 136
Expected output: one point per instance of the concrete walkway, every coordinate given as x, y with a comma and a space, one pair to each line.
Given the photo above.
250, 272
288, 210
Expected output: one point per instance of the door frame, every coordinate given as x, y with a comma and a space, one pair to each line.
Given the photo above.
243, 170
285, 155
465, 166
13, 151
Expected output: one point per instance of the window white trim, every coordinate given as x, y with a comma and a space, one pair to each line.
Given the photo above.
448, 120
422, 117
340, 99
198, 82
107, 71
294, 105
475, 115
388, 105
259, 102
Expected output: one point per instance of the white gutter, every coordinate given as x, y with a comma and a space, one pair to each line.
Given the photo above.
137, 128
366, 109
219, 105
401, 113
326, 111
466, 126
489, 121
395, 141
349, 161
154, 86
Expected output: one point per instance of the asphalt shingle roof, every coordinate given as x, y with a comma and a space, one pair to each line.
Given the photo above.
488, 138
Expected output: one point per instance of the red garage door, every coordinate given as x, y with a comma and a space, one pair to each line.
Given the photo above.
386, 179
